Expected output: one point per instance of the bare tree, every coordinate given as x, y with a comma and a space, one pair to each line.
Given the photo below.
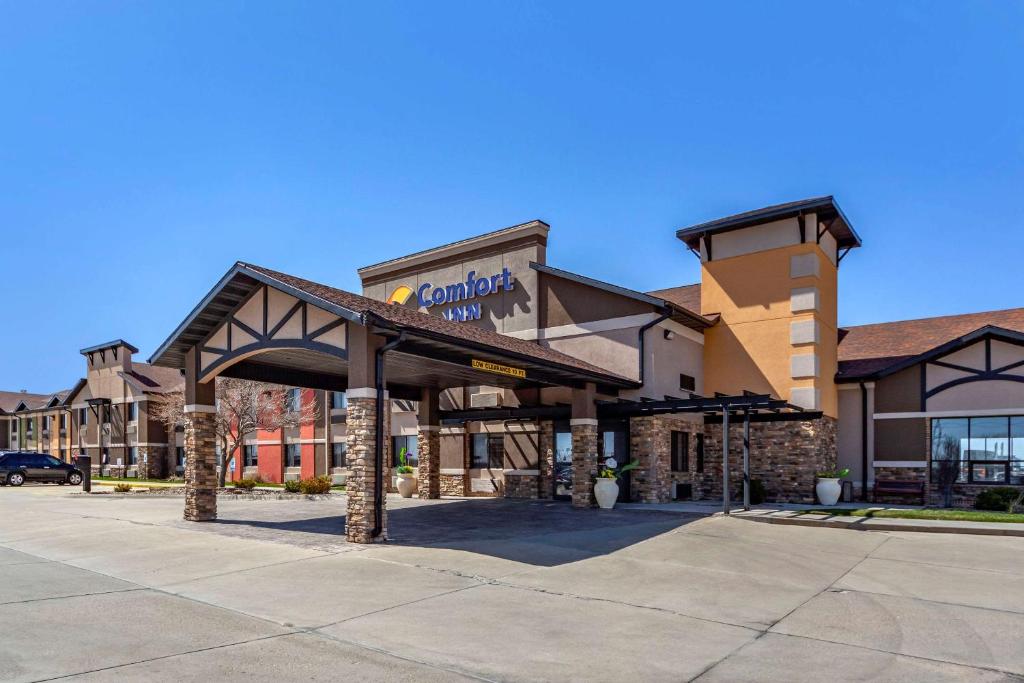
243, 407
947, 467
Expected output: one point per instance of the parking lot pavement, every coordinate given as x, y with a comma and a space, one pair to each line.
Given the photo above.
105, 587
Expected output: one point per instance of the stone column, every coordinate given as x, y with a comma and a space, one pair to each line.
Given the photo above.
429, 444
361, 424
200, 463
584, 446
545, 459
200, 444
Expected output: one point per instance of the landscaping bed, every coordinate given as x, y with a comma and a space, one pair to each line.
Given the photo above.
226, 492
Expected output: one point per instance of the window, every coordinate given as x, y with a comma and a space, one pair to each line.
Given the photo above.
700, 452
410, 444
339, 400
52, 461
83, 416
14, 426
63, 420
295, 400
132, 411
983, 450
339, 453
687, 383
45, 422
680, 451
105, 456
179, 454
293, 455
29, 426
488, 451
250, 455
63, 455
133, 455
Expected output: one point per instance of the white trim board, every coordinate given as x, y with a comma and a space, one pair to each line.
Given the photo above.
994, 412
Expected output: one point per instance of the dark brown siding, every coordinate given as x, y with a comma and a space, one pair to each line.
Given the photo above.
899, 393
452, 450
566, 302
902, 439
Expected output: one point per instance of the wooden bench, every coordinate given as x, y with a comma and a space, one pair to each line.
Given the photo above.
899, 487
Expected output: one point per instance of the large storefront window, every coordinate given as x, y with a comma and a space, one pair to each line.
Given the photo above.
986, 450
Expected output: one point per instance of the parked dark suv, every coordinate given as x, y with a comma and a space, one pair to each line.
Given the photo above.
18, 467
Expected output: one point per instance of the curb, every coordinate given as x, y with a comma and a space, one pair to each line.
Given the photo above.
885, 526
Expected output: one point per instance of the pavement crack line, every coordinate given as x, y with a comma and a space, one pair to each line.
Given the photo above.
900, 654
784, 616
292, 630
72, 595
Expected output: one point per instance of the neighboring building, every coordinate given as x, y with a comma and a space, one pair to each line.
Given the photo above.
36, 422
111, 413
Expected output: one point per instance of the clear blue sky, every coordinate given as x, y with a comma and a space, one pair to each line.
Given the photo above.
145, 147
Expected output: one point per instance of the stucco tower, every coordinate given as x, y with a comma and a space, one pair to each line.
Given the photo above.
771, 277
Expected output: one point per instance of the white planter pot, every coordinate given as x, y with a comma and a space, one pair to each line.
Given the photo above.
607, 492
406, 484
828, 491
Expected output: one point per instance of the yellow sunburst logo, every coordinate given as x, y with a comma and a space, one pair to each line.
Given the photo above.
400, 295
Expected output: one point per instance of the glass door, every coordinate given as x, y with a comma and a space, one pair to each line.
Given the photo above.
613, 437
563, 462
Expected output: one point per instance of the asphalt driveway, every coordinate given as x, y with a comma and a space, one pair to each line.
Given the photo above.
103, 587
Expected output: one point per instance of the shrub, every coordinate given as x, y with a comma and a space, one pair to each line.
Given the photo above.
999, 498
245, 484
122, 488
292, 486
757, 492
315, 485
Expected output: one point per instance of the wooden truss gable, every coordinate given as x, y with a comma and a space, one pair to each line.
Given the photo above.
271, 319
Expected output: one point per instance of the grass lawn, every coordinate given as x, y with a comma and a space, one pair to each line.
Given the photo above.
938, 514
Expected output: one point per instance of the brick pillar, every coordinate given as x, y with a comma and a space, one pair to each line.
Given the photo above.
200, 463
584, 461
361, 435
429, 444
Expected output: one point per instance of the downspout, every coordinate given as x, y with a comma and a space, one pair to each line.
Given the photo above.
863, 441
378, 483
643, 330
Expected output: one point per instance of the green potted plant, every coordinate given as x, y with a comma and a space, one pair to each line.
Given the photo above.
606, 488
828, 487
404, 473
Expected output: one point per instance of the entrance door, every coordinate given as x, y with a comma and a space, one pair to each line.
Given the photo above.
563, 462
613, 436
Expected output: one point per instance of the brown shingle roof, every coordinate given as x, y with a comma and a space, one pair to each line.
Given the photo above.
9, 400
156, 379
866, 349
406, 317
686, 296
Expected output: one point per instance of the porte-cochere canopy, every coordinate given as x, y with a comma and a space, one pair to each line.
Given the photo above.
261, 324
264, 325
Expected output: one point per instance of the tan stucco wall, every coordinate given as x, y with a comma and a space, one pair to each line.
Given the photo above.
750, 348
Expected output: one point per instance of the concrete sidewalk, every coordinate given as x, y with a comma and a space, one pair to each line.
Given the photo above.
108, 588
